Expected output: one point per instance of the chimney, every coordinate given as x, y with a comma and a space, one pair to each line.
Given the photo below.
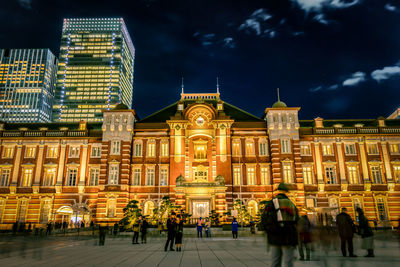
319, 122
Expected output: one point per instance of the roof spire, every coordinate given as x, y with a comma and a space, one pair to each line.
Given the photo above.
217, 85
183, 87
277, 89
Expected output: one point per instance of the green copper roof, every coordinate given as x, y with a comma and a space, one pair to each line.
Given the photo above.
279, 104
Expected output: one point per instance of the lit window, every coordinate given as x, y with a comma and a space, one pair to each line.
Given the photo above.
71, 176
52, 152
4, 177
22, 207
164, 149
264, 175
150, 176
327, 149
394, 148
94, 176
27, 177
356, 204
396, 173
287, 173
49, 177
380, 204
249, 148
285, 146
30, 152
263, 148
353, 174
96, 152
137, 173
8, 152
74, 151
111, 207
305, 150
151, 149
236, 147
251, 179
164, 177
45, 211
350, 149
138, 149
200, 174
236, 176
200, 152
115, 147
334, 205
307, 175
330, 173
376, 174
372, 149
113, 174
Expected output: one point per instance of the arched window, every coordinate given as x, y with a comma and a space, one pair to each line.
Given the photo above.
148, 208
252, 206
263, 147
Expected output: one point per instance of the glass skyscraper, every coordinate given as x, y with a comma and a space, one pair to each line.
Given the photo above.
27, 83
95, 70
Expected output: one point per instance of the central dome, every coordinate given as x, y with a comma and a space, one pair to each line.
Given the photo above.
279, 104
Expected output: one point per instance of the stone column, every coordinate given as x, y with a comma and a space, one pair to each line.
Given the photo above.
386, 161
61, 165
342, 167
364, 162
83, 166
318, 163
17, 164
39, 164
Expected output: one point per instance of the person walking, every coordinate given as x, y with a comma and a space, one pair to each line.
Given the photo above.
365, 231
199, 228
235, 227
102, 235
304, 229
279, 220
136, 230
171, 228
179, 233
48, 229
143, 229
345, 227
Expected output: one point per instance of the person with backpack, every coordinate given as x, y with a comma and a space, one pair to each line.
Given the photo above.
279, 220
235, 228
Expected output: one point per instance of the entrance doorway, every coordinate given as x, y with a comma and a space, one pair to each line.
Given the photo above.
201, 208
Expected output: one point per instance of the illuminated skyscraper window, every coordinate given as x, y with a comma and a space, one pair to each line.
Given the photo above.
95, 70
27, 82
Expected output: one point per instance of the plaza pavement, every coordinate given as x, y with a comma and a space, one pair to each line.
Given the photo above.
216, 251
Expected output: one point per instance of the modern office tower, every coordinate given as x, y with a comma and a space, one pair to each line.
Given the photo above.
27, 83
95, 71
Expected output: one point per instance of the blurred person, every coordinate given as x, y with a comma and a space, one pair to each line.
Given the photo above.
171, 228
136, 230
92, 226
48, 228
365, 231
235, 227
115, 229
179, 233
209, 228
102, 235
279, 220
199, 227
304, 229
346, 232
160, 227
143, 230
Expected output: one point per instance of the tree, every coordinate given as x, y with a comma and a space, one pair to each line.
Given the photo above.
243, 214
131, 214
214, 217
165, 209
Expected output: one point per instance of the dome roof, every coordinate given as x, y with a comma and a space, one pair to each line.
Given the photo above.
279, 104
121, 106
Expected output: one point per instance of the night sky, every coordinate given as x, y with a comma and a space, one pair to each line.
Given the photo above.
332, 58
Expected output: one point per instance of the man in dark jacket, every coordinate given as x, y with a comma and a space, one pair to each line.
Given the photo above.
171, 227
279, 221
346, 229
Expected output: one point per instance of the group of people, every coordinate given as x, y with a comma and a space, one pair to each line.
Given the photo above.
206, 224
175, 232
286, 230
140, 226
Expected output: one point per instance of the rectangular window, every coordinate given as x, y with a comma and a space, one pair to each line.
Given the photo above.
150, 176
164, 149
30, 152
111, 207
164, 177
285, 146
115, 147
138, 149
52, 152
396, 173
114, 174
8, 152
380, 204
308, 175
49, 177
74, 151
305, 150
376, 174
200, 152
249, 148
94, 175
27, 177
350, 149
5, 177
71, 176
353, 174
137, 173
394, 148
372, 149
151, 149
236, 176
327, 149
45, 211
96, 152
236, 148
251, 179
330, 173
287, 173
23, 204
263, 149
264, 175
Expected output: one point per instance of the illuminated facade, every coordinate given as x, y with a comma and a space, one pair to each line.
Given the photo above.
204, 154
95, 70
27, 83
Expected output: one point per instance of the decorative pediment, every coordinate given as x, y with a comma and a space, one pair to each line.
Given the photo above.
219, 180
180, 180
